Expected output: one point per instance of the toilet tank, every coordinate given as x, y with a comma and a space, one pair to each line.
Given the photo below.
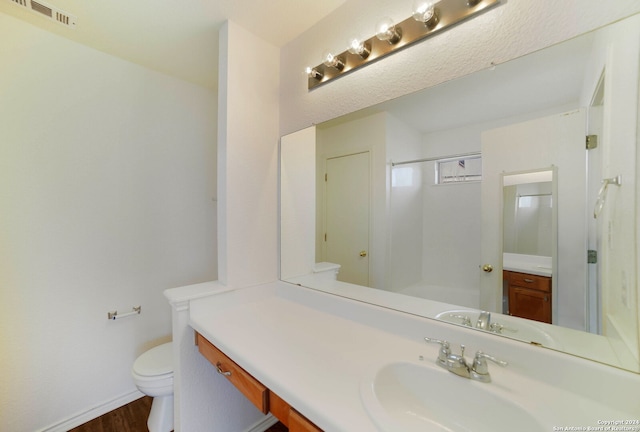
326, 270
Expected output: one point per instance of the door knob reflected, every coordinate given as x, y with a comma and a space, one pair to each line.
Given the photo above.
487, 268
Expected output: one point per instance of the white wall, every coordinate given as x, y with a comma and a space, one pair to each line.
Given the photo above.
107, 175
297, 203
248, 184
248, 158
515, 28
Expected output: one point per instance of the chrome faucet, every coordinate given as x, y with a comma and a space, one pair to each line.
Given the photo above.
457, 364
483, 323
484, 320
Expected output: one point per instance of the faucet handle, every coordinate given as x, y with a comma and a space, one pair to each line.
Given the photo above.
466, 321
497, 328
445, 349
480, 370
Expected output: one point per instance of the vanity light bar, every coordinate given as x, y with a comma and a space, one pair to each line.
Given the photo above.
445, 13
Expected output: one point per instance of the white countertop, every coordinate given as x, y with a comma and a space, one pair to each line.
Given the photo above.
530, 264
259, 336
315, 350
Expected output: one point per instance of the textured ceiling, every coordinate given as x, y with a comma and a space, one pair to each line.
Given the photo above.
546, 79
176, 37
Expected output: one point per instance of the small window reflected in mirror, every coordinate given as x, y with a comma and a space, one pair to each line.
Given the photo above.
402, 177
459, 169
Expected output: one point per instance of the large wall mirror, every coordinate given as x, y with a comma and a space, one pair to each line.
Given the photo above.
473, 201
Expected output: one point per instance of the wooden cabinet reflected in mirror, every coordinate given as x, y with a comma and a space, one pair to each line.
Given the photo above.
529, 296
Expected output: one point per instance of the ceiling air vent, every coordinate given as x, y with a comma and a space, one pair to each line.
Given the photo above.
44, 10
48, 11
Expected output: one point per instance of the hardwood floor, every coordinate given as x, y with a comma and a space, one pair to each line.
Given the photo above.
278, 427
133, 418
128, 418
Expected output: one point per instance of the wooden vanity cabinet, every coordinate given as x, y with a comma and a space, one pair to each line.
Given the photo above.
298, 423
279, 408
529, 296
253, 389
289, 417
263, 398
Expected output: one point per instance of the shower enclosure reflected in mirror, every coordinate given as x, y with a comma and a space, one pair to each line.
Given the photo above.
443, 243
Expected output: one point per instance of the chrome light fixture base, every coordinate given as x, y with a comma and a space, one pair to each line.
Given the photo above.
410, 31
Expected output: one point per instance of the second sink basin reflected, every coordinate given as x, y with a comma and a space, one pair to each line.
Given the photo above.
525, 330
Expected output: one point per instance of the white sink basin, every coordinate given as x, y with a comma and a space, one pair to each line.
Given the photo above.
516, 328
414, 397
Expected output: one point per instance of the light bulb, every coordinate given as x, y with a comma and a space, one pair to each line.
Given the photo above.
313, 73
426, 12
386, 30
331, 60
359, 47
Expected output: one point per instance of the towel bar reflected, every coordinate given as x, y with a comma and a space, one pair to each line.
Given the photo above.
602, 194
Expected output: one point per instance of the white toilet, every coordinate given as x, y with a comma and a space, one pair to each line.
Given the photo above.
153, 375
326, 270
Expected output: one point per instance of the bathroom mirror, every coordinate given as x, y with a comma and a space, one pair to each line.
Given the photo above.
529, 246
428, 233
527, 222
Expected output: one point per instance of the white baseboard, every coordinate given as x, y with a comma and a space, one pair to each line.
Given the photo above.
92, 413
264, 424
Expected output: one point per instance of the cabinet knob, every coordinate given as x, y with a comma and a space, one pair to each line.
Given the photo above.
487, 268
363, 253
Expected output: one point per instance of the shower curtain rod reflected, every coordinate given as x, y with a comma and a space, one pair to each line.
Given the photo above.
534, 195
431, 159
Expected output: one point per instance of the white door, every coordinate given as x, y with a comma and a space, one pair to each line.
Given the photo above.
594, 169
347, 195
555, 141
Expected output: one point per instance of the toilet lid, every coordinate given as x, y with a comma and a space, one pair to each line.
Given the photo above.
156, 361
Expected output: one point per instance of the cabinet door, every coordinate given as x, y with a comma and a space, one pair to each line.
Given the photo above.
531, 304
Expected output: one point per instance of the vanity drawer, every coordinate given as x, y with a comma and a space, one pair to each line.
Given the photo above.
299, 423
288, 416
279, 408
253, 389
535, 282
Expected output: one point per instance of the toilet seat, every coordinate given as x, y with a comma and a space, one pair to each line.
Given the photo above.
155, 362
